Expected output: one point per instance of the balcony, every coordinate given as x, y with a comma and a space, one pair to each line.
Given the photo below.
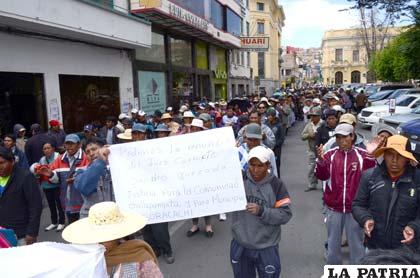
83, 20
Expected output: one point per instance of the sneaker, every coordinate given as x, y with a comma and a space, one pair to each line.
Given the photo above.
60, 227
169, 258
51, 227
222, 217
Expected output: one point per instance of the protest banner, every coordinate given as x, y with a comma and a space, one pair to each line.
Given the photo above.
51, 260
179, 177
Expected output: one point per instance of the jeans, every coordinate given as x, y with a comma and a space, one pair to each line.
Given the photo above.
157, 236
53, 199
246, 262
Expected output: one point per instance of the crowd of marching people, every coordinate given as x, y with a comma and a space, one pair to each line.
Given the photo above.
370, 188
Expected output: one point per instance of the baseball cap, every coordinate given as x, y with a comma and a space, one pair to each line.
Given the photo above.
188, 114
315, 111
183, 108
157, 113
205, 117
73, 138
330, 112
138, 128
54, 123
398, 143
169, 109
338, 108
259, 152
348, 119
141, 113
253, 131
122, 116
344, 129
134, 110
162, 127
88, 127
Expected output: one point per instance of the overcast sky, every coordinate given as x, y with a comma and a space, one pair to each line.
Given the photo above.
307, 20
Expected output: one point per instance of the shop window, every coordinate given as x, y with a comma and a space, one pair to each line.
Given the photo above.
260, 7
106, 3
22, 101
152, 91
87, 99
154, 54
182, 88
260, 28
261, 64
181, 52
233, 23
197, 7
201, 55
217, 14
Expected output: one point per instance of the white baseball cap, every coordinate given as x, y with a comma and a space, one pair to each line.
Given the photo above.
142, 113
134, 110
259, 152
344, 129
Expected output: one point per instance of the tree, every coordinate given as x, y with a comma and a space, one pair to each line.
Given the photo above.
400, 60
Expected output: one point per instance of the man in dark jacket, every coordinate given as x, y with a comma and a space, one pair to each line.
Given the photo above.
33, 147
109, 132
276, 126
20, 199
327, 128
387, 204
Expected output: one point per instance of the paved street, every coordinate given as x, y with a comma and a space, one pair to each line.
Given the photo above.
301, 247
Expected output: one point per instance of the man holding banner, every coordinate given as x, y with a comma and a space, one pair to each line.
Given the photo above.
256, 231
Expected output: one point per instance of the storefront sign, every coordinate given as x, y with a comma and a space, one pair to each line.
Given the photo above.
220, 74
152, 91
179, 177
188, 17
255, 43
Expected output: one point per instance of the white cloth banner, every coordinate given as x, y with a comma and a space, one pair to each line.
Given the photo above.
179, 177
51, 259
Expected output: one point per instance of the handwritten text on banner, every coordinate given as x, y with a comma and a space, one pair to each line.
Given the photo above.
179, 177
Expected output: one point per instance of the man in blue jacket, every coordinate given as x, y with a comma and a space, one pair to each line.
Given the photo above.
94, 183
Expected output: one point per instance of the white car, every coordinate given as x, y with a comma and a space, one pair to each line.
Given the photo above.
404, 105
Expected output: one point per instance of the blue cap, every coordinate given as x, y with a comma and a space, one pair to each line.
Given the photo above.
162, 127
72, 138
138, 128
88, 127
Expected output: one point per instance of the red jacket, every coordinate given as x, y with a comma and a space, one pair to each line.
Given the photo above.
342, 171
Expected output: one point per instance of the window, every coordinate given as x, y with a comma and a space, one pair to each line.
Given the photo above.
181, 52
242, 58
356, 56
247, 28
197, 7
260, 27
154, 54
238, 58
260, 6
261, 65
247, 3
339, 55
248, 58
217, 14
108, 3
233, 23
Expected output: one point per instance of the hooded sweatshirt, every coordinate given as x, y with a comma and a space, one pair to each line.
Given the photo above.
258, 232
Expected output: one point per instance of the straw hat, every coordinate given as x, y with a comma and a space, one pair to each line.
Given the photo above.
198, 123
126, 135
398, 143
104, 223
166, 116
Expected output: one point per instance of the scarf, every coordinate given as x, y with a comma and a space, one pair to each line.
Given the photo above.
129, 252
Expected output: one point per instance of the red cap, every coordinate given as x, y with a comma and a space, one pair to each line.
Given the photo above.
54, 123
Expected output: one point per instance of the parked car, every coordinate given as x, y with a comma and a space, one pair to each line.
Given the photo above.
411, 130
377, 88
381, 95
404, 105
396, 94
397, 119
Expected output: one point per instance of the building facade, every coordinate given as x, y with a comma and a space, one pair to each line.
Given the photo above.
344, 56
267, 20
67, 60
189, 57
240, 75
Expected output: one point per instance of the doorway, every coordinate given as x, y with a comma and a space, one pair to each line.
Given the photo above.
22, 100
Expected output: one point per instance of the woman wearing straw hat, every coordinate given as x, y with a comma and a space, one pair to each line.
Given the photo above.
387, 203
108, 226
